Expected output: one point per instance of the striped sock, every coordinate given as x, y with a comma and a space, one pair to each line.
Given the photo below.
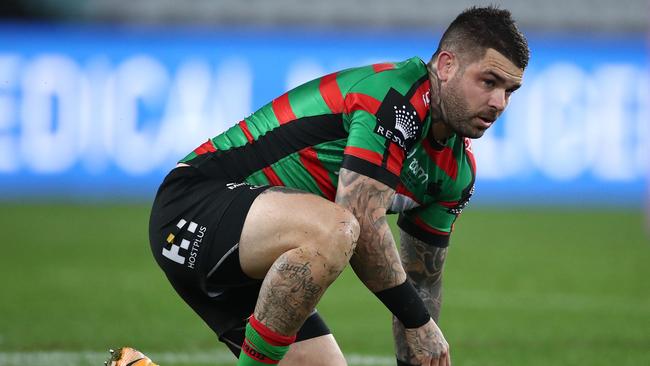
262, 346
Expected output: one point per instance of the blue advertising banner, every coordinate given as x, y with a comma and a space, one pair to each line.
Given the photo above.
91, 112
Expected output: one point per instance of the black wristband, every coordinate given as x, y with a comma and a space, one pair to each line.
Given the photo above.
405, 303
402, 363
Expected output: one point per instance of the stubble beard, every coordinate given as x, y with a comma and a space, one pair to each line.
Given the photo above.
456, 113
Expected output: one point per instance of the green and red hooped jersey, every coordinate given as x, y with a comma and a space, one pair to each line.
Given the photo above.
373, 120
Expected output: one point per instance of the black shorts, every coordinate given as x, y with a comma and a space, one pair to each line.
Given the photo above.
194, 232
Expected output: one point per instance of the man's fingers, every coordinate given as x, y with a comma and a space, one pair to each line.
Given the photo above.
446, 356
444, 359
428, 360
441, 360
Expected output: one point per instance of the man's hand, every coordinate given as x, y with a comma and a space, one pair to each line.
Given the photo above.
428, 345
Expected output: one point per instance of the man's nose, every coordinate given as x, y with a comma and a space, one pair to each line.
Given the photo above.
498, 100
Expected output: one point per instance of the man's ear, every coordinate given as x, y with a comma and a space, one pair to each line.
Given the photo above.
446, 65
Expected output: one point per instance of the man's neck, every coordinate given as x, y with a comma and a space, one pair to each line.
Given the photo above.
439, 131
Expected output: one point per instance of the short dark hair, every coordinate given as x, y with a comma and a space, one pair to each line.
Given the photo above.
477, 29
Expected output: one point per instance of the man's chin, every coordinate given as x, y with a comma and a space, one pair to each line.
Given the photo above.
478, 134
466, 129
473, 134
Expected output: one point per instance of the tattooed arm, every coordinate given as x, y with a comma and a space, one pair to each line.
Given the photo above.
423, 264
376, 260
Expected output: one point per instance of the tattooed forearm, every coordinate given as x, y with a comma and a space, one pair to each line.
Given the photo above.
424, 264
375, 260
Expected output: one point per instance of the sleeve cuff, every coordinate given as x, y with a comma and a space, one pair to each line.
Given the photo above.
433, 239
370, 170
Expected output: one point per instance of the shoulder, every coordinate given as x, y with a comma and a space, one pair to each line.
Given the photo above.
377, 79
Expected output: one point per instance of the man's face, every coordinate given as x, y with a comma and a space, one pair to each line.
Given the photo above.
478, 92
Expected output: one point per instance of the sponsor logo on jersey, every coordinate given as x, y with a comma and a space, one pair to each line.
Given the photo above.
426, 98
419, 172
233, 185
397, 120
186, 251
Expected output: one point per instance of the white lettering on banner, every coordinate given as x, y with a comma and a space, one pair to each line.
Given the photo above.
189, 101
142, 84
9, 72
96, 131
559, 125
197, 106
140, 115
136, 114
642, 153
230, 101
567, 123
50, 113
616, 102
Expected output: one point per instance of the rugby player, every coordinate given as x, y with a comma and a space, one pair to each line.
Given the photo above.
253, 225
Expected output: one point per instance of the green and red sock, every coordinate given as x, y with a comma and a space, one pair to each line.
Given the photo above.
262, 346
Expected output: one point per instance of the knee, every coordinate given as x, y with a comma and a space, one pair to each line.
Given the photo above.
346, 231
338, 235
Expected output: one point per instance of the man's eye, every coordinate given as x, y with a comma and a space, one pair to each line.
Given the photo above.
489, 83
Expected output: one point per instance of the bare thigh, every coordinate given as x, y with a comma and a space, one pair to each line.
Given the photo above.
281, 219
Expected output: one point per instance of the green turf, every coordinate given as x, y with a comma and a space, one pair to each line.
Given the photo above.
522, 287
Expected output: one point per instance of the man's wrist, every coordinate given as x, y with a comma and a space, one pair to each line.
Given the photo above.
405, 303
402, 363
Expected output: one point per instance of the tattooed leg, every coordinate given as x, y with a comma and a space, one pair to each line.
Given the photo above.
292, 288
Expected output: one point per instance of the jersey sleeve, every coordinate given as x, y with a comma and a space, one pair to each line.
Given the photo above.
369, 153
380, 133
432, 224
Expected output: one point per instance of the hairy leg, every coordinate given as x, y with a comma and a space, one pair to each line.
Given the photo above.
292, 288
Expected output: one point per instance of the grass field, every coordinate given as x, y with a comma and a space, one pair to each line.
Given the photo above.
522, 287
